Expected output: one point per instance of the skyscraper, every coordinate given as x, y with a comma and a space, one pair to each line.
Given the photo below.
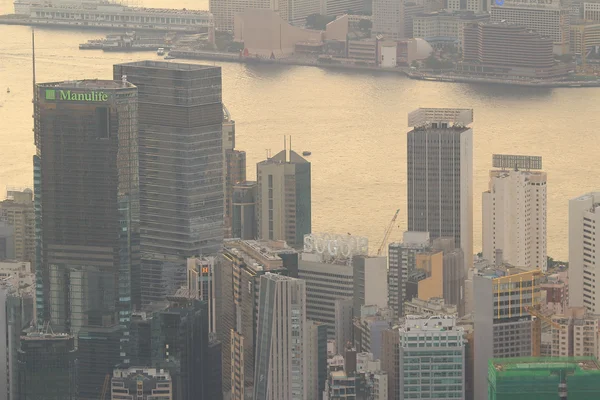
584, 214
47, 367
514, 212
393, 18
17, 211
281, 369
433, 350
440, 175
402, 265
180, 167
283, 198
87, 158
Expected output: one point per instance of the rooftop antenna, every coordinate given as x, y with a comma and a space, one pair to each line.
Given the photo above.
290, 142
284, 147
33, 64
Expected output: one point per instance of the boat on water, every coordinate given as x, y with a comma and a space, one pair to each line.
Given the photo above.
7, 90
306, 153
160, 51
107, 14
126, 42
169, 58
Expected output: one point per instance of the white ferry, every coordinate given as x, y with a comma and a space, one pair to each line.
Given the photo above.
105, 14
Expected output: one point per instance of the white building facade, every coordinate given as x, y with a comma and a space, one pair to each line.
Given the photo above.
584, 216
514, 218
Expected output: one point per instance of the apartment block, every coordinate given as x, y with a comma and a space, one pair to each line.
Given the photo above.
575, 334
18, 212
584, 215
393, 19
514, 212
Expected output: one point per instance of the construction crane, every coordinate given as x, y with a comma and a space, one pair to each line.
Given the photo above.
387, 233
537, 329
105, 387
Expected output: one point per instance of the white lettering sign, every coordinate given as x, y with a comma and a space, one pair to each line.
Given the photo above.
336, 245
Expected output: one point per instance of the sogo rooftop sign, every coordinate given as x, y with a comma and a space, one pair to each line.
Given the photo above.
336, 245
68, 95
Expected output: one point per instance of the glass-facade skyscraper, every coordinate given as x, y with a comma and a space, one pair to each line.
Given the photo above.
181, 168
87, 203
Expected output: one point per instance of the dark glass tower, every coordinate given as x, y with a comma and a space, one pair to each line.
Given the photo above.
87, 202
181, 168
47, 367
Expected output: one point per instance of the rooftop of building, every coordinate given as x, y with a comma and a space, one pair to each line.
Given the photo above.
282, 158
245, 184
134, 372
492, 271
33, 336
258, 254
545, 365
434, 323
88, 84
165, 65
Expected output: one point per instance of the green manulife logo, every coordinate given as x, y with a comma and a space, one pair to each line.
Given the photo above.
68, 95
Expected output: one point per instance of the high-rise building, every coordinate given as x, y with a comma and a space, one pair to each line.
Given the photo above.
370, 282
402, 265
281, 371
394, 18
243, 224
180, 345
237, 278
283, 201
16, 313
368, 328
575, 334
543, 378
292, 11
431, 348
584, 214
87, 154
7, 241
514, 212
454, 273
502, 325
141, 384
327, 267
343, 311
549, 19
180, 168
390, 360
17, 211
440, 175
47, 367
335, 8
316, 359
202, 286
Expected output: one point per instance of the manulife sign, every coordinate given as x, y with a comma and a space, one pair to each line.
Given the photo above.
69, 95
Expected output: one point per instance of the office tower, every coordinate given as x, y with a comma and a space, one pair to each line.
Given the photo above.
281, 371
336, 8
17, 211
99, 351
244, 211
502, 324
316, 359
47, 367
514, 212
7, 241
440, 175
390, 359
140, 339
441, 357
393, 18
237, 280
326, 266
402, 264
234, 170
180, 346
454, 272
584, 213
180, 168
86, 138
368, 328
283, 198
201, 285
215, 368
543, 378
550, 19
343, 314
16, 313
141, 384
370, 282
575, 334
